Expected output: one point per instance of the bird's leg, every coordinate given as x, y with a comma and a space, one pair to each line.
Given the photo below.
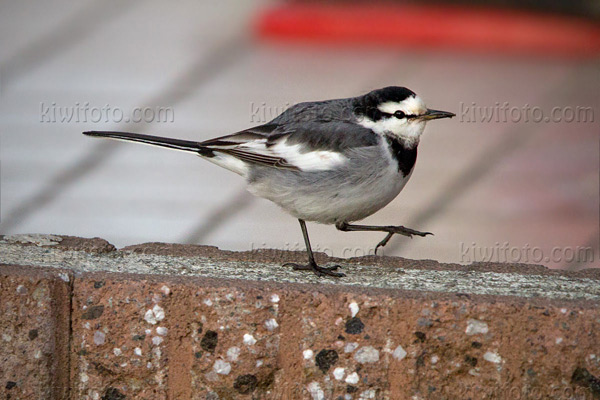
391, 230
385, 241
312, 265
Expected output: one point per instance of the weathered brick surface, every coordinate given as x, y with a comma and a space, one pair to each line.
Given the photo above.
115, 338
34, 332
236, 341
228, 341
163, 335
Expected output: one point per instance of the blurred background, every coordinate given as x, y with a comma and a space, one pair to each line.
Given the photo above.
515, 177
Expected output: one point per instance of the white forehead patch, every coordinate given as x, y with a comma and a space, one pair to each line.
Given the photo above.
411, 106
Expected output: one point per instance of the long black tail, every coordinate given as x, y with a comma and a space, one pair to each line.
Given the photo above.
176, 144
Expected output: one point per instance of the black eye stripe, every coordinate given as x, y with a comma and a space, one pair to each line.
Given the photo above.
407, 116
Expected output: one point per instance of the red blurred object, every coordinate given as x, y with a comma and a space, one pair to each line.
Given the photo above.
432, 26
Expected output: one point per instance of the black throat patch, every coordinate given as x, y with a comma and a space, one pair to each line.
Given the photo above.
406, 157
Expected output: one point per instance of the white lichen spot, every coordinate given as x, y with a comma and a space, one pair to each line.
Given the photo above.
307, 354
137, 351
350, 347
339, 373
367, 354
149, 365
474, 371
156, 340
475, 326
208, 302
64, 276
233, 353
563, 310
352, 378
274, 298
154, 315
117, 351
21, 289
148, 331
222, 367
492, 357
84, 377
354, 309
38, 354
87, 325
162, 331
434, 359
399, 353
259, 363
367, 394
558, 340
347, 396
271, 324
99, 338
165, 290
249, 339
315, 391
123, 365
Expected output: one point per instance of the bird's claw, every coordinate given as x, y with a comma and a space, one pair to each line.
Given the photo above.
319, 271
383, 242
402, 231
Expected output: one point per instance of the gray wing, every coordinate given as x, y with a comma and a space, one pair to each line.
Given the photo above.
296, 145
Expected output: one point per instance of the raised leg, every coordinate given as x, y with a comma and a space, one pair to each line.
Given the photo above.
312, 265
391, 230
385, 241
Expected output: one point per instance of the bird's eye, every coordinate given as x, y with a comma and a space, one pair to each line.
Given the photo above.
399, 114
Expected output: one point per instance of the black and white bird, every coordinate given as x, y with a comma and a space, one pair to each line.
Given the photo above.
332, 162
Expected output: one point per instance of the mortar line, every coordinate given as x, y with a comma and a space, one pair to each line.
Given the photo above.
70, 337
369, 273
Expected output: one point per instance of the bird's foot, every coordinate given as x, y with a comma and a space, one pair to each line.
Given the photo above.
319, 271
400, 230
406, 231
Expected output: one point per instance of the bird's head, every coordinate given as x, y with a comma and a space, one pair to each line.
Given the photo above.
395, 111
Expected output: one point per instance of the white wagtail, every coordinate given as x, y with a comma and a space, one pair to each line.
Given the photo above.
333, 162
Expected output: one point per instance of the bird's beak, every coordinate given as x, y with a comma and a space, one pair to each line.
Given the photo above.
435, 114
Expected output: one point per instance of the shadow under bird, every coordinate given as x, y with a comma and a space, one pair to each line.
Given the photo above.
332, 162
